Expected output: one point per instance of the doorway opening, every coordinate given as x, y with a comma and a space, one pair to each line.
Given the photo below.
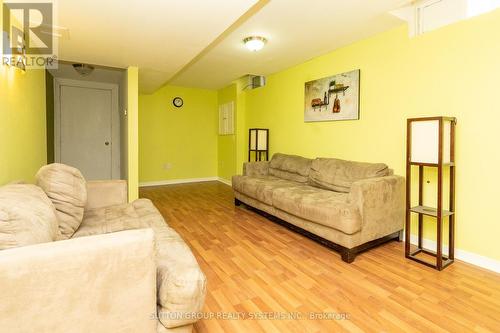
85, 114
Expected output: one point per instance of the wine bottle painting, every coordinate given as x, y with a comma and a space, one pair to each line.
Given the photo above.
332, 98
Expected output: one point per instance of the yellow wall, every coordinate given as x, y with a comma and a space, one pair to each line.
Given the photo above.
226, 144
241, 129
22, 122
132, 132
233, 149
453, 71
185, 138
49, 115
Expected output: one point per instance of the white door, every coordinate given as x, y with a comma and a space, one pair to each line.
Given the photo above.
85, 130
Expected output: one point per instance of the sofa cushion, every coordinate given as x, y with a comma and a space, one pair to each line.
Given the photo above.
339, 175
324, 207
181, 285
26, 216
67, 189
290, 167
260, 188
135, 215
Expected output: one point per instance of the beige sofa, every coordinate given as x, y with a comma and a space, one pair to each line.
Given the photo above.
76, 257
347, 206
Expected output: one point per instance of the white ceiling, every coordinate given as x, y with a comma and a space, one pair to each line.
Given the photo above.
297, 30
198, 43
158, 36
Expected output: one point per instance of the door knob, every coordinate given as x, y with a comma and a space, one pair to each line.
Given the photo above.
106, 143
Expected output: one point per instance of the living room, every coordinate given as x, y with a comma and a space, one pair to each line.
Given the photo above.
270, 169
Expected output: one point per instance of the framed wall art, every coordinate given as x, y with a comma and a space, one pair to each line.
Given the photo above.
333, 98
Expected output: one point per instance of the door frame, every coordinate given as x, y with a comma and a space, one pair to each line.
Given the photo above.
115, 119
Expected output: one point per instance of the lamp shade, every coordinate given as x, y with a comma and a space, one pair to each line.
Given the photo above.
258, 138
425, 140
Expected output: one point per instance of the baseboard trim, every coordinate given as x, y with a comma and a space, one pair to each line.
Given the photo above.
185, 181
468, 257
225, 181
178, 181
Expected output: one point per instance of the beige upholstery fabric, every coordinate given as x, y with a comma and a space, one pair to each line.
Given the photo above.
103, 283
26, 216
328, 233
321, 206
179, 329
67, 189
256, 169
338, 175
381, 203
365, 206
138, 214
98, 284
180, 282
102, 193
255, 203
290, 167
181, 285
260, 188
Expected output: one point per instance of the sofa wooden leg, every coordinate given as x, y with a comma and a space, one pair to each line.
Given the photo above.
348, 256
237, 202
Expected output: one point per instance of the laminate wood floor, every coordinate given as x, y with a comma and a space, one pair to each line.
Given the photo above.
275, 280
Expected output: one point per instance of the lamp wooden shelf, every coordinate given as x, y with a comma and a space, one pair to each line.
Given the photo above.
429, 211
432, 164
258, 143
431, 143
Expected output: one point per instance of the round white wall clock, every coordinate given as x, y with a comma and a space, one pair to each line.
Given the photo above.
178, 102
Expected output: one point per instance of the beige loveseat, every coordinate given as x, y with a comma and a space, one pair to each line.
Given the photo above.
76, 257
347, 206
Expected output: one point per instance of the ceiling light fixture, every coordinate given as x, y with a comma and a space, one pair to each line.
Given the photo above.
83, 69
254, 43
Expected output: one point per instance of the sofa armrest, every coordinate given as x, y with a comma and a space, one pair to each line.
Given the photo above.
256, 169
104, 283
381, 203
104, 193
